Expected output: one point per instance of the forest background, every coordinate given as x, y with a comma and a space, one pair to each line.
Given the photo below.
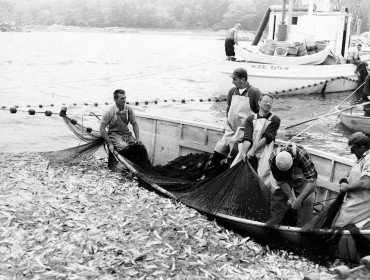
164, 14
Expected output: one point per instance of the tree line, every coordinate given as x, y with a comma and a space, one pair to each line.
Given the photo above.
174, 14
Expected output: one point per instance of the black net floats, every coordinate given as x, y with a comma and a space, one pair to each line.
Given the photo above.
48, 113
73, 121
13, 110
63, 111
31, 112
88, 129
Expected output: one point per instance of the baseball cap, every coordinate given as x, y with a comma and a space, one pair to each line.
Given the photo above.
357, 137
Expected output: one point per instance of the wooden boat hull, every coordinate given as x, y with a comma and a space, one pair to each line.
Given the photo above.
167, 139
252, 55
291, 79
355, 122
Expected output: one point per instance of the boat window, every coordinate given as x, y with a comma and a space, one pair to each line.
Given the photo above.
294, 20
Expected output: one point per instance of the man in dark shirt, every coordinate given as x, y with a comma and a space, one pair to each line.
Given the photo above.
296, 176
259, 137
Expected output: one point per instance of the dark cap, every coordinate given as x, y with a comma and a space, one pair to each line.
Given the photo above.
240, 73
358, 137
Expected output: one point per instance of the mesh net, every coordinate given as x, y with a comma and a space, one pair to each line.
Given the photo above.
236, 192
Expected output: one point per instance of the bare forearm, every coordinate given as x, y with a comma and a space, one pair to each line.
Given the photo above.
307, 190
362, 184
105, 136
136, 131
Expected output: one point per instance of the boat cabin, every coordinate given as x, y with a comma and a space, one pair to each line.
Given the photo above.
314, 22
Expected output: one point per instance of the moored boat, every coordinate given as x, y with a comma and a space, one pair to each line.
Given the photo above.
250, 55
279, 77
355, 121
166, 139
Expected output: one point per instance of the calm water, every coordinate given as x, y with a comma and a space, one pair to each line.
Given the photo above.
86, 67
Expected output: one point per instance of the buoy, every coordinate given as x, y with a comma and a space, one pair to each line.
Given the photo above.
96, 104
217, 100
73, 121
3, 107
28, 105
209, 99
88, 129
86, 104
165, 100
342, 271
136, 103
106, 103
31, 112
40, 105
48, 113
200, 100
16, 106
13, 110
155, 102
127, 103
146, 102
52, 105
182, 100
63, 111
75, 104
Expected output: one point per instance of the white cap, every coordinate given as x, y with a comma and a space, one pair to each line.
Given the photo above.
284, 161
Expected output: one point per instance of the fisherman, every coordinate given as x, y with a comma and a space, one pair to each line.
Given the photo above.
242, 101
231, 40
259, 137
119, 137
356, 203
366, 96
356, 55
295, 175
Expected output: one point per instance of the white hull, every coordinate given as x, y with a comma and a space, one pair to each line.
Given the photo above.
291, 79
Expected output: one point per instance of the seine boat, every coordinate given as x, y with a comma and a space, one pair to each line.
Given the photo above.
167, 139
314, 21
355, 121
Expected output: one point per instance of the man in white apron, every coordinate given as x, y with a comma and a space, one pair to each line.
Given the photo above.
242, 101
259, 137
296, 177
356, 204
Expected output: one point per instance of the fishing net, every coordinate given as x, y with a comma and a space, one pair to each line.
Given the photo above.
92, 138
236, 192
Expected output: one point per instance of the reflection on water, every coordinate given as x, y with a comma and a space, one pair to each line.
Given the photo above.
65, 67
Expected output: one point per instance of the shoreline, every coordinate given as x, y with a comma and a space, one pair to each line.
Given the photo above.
82, 220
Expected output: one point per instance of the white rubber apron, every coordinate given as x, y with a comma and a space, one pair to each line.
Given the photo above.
238, 113
356, 204
263, 154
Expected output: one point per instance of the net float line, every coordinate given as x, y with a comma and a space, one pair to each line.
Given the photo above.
136, 103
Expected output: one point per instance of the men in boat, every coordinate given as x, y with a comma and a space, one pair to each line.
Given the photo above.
259, 137
242, 101
295, 175
356, 203
231, 40
119, 137
366, 96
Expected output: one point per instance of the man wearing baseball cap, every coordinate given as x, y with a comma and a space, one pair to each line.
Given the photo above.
356, 203
295, 174
242, 101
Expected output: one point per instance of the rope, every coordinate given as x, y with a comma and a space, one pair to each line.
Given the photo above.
133, 76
